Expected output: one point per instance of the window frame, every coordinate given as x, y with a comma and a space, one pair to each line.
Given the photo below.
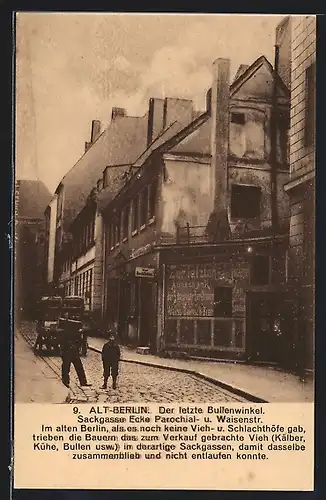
135, 215
152, 198
230, 302
240, 210
253, 259
310, 105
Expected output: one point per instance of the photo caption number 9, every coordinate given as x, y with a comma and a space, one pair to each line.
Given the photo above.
75, 410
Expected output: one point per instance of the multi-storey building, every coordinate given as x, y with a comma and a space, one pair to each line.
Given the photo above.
78, 249
30, 201
300, 37
195, 237
50, 223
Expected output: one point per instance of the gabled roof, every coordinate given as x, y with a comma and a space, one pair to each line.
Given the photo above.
249, 73
33, 198
242, 68
197, 141
121, 143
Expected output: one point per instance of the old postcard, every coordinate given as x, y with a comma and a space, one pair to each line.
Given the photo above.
164, 251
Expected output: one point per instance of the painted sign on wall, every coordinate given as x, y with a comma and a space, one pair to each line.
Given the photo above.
190, 287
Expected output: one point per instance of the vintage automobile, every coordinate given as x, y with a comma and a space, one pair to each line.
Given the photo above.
73, 308
48, 335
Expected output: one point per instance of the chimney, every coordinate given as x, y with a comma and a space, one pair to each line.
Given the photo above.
87, 146
220, 96
96, 130
117, 112
155, 119
180, 110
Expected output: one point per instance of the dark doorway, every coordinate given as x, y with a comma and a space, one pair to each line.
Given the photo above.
123, 310
147, 313
270, 327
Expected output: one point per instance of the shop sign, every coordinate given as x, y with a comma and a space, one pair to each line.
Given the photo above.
144, 272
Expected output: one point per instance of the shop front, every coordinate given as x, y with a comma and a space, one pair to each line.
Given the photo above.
131, 300
205, 306
228, 304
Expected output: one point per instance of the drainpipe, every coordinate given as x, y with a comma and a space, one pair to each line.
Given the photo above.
273, 156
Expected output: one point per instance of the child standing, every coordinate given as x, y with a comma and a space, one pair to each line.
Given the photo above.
110, 359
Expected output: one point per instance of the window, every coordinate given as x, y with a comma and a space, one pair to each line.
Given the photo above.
223, 302
187, 331
105, 179
125, 222
153, 198
283, 137
118, 228
259, 270
222, 333
238, 118
204, 332
143, 206
245, 201
171, 326
135, 214
310, 105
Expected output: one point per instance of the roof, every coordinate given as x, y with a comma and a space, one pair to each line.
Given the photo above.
114, 182
250, 71
197, 141
242, 68
33, 198
121, 143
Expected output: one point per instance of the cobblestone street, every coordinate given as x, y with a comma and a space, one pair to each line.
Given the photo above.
136, 383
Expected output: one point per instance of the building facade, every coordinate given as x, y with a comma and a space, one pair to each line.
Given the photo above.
50, 225
78, 227
301, 185
195, 241
31, 199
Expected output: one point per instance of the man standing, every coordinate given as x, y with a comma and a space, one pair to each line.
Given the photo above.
110, 359
70, 349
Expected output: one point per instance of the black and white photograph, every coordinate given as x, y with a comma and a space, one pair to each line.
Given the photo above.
164, 208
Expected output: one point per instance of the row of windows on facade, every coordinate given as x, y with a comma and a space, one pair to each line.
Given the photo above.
205, 332
80, 246
85, 238
143, 212
81, 286
140, 211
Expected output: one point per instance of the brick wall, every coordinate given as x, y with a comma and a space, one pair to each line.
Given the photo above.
302, 189
303, 54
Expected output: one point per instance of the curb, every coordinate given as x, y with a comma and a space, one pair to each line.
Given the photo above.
235, 390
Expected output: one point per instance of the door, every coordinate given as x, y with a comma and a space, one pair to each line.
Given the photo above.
124, 308
263, 328
148, 316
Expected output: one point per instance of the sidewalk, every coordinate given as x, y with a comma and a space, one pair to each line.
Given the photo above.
262, 383
34, 379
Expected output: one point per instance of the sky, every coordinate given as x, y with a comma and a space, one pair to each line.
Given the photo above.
73, 68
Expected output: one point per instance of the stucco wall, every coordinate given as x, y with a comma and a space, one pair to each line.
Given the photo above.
187, 195
261, 177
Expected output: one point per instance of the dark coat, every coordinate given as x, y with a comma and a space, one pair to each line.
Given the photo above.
110, 353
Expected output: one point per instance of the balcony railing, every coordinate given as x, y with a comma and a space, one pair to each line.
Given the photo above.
192, 235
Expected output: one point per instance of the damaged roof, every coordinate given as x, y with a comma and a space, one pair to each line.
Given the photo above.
33, 198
